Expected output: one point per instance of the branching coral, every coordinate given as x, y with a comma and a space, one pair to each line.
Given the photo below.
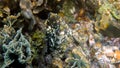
76, 61
17, 49
53, 32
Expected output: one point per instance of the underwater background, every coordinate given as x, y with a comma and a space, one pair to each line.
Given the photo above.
59, 33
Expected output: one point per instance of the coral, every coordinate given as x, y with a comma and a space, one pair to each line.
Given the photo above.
38, 47
69, 10
38, 6
107, 18
38, 38
26, 6
77, 62
18, 49
59, 33
11, 19
53, 32
77, 59
57, 63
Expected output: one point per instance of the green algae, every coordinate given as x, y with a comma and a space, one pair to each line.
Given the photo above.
38, 37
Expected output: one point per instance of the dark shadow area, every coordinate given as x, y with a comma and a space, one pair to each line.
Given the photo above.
44, 14
16, 63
